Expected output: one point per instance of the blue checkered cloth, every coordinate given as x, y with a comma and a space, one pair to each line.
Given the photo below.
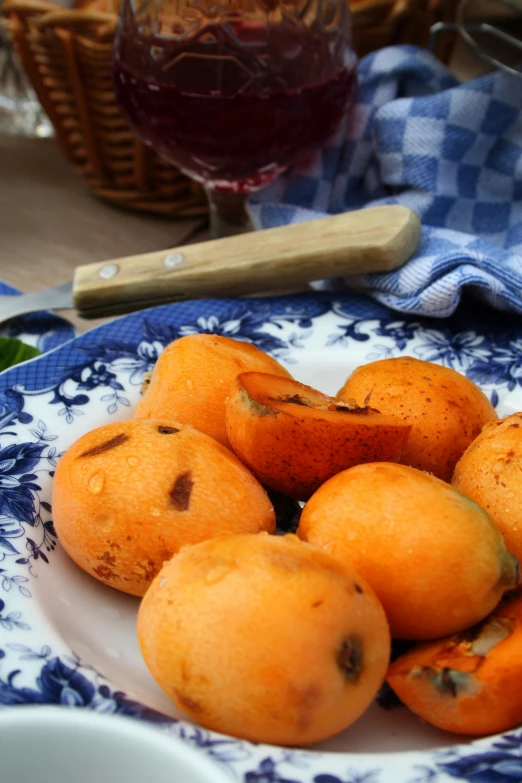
450, 151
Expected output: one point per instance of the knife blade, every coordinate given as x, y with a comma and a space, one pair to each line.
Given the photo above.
376, 239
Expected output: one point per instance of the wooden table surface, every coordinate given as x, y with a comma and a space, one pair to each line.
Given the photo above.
50, 223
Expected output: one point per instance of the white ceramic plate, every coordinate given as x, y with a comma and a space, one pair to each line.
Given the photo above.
54, 745
67, 639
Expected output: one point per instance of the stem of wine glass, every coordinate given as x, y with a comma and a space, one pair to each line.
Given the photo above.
228, 215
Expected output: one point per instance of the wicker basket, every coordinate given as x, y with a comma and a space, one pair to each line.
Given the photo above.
66, 55
379, 23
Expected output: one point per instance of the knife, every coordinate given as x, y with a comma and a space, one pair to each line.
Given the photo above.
377, 239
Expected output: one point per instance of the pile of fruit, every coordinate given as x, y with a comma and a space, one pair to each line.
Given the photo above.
409, 530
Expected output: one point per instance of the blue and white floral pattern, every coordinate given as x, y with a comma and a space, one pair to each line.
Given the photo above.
54, 645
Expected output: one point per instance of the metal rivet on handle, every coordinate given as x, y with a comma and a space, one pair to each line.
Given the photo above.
173, 259
108, 271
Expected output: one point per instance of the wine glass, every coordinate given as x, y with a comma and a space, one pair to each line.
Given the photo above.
234, 92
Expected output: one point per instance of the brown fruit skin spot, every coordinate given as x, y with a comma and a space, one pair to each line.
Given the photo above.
108, 558
104, 572
167, 430
146, 382
186, 701
180, 492
350, 658
107, 446
305, 700
146, 570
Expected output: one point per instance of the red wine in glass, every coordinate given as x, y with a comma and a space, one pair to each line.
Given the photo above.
236, 104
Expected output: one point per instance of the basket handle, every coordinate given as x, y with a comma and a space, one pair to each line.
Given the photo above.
49, 15
390, 9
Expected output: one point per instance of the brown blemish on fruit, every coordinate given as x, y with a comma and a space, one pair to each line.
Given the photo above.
454, 404
186, 701
350, 658
167, 430
145, 569
358, 588
317, 603
165, 555
181, 491
146, 382
305, 700
104, 572
107, 446
108, 558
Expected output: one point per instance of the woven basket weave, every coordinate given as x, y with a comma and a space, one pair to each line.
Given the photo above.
379, 23
66, 55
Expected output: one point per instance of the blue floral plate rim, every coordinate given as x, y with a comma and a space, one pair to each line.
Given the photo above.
43, 405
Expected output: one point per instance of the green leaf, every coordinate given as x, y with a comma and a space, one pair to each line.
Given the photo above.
13, 351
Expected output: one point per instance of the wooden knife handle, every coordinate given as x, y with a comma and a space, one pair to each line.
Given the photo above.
377, 239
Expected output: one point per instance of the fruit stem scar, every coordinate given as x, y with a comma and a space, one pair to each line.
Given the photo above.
181, 490
447, 681
350, 658
107, 446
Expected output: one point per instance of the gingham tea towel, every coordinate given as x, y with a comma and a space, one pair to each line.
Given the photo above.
450, 151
